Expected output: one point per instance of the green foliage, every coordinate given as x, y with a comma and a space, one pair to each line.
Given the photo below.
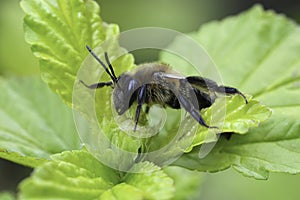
258, 52
6, 196
187, 183
34, 122
245, 49
229, 114
78, 175
15, 55
58, 32
233, 117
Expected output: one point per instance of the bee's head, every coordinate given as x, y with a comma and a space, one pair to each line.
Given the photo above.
124, 93
125, 86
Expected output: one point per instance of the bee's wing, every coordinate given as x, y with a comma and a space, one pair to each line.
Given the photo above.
186, 94
203, 88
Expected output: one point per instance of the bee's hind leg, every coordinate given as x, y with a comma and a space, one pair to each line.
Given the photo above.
230, 90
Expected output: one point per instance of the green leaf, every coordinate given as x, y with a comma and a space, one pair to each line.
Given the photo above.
58, 32
228, 114
14, 51
257, 52
29, 161
187, 183
71, 175
78, 175
122, 191
233, 117
114, 148
154, 183
6, 196
34, 122
149, 183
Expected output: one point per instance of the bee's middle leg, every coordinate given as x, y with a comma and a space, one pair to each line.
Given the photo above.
189, 107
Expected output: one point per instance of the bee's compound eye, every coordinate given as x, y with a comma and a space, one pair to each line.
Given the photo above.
132, 85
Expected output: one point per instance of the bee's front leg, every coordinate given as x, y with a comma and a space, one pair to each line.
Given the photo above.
97, 85
141, 97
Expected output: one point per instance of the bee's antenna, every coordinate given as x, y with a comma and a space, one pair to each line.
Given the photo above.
113, 77
109, 65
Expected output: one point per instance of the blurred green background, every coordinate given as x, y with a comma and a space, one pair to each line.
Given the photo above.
16, 59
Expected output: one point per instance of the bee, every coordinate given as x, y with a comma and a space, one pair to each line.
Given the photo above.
156, 83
